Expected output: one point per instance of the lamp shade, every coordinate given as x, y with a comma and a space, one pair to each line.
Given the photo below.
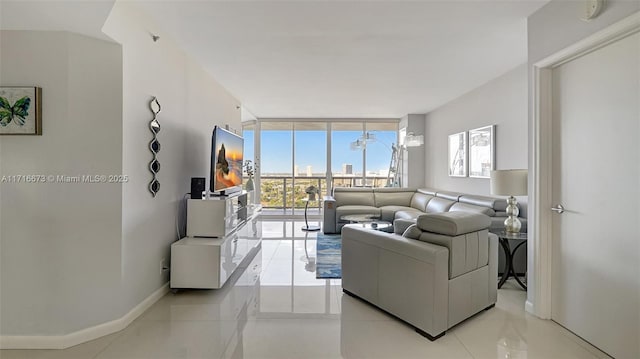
413, 140
312, 191
357, 145
509, 182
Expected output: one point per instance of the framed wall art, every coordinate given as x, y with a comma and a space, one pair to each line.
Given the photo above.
481, 151
458, 154
20, 111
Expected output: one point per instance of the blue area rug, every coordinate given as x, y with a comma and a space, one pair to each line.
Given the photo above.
329, 256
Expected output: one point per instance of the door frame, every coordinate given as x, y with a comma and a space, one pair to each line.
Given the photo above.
540, 173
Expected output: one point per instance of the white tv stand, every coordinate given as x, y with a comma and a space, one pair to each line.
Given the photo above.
221, 232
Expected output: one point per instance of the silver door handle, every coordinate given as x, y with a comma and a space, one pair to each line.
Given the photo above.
558, 209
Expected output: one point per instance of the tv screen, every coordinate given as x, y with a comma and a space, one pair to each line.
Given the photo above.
226, 160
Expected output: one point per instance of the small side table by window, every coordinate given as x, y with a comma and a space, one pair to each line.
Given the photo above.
307, 227
509, 254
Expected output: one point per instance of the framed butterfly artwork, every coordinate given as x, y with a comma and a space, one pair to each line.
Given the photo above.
20, 111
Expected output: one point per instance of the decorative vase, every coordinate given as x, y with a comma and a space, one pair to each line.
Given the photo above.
249, 185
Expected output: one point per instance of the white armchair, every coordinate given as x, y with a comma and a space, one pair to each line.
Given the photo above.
439, 272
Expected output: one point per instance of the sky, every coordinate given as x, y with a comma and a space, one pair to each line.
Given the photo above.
311, 151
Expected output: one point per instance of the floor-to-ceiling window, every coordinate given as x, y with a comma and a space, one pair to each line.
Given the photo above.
276, 165
249, 157
248, 133
380, 138
292, 155
310, 162
347, 161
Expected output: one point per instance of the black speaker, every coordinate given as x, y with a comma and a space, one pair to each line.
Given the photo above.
197, 187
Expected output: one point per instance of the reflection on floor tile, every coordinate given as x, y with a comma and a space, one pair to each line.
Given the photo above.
394, 339
170, 339
288, 229
273, 338
287, 313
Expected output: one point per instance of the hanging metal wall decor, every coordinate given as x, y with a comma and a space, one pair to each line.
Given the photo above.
154, 146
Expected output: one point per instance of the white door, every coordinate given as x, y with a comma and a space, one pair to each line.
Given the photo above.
596, 160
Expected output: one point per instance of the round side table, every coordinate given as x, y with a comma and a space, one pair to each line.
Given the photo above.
509, 254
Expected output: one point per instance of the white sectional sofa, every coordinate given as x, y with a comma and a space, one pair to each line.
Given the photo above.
406, 203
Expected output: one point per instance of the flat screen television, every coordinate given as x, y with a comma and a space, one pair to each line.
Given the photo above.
226, 161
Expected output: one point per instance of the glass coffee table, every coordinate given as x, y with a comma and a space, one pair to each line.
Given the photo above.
367, 221
378, 225
360, 218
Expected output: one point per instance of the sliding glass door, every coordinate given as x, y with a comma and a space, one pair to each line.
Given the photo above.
380, 139
347, 163
276, 165
310, 162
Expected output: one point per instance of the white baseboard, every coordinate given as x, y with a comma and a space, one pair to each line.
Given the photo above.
84, 335
528, 307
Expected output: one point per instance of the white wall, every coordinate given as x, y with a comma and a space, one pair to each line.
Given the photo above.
78, 255
501, 102
558, 25
192, 103
60, 243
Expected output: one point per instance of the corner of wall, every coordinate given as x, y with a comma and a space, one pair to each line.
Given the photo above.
70, 239
192, 103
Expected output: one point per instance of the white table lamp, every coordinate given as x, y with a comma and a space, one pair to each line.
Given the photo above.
510, 183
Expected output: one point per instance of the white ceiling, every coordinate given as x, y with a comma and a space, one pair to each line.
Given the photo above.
331, 59
349, 59
80, 16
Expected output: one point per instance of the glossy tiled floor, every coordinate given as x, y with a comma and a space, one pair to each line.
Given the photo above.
283, 311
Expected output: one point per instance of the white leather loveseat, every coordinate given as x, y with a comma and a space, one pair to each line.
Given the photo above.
407, 203
439, 272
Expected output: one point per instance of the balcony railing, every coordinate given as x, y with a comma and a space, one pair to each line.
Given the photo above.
282, 192
352, 181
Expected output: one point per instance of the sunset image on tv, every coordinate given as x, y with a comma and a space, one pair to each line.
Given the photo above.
228, 162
